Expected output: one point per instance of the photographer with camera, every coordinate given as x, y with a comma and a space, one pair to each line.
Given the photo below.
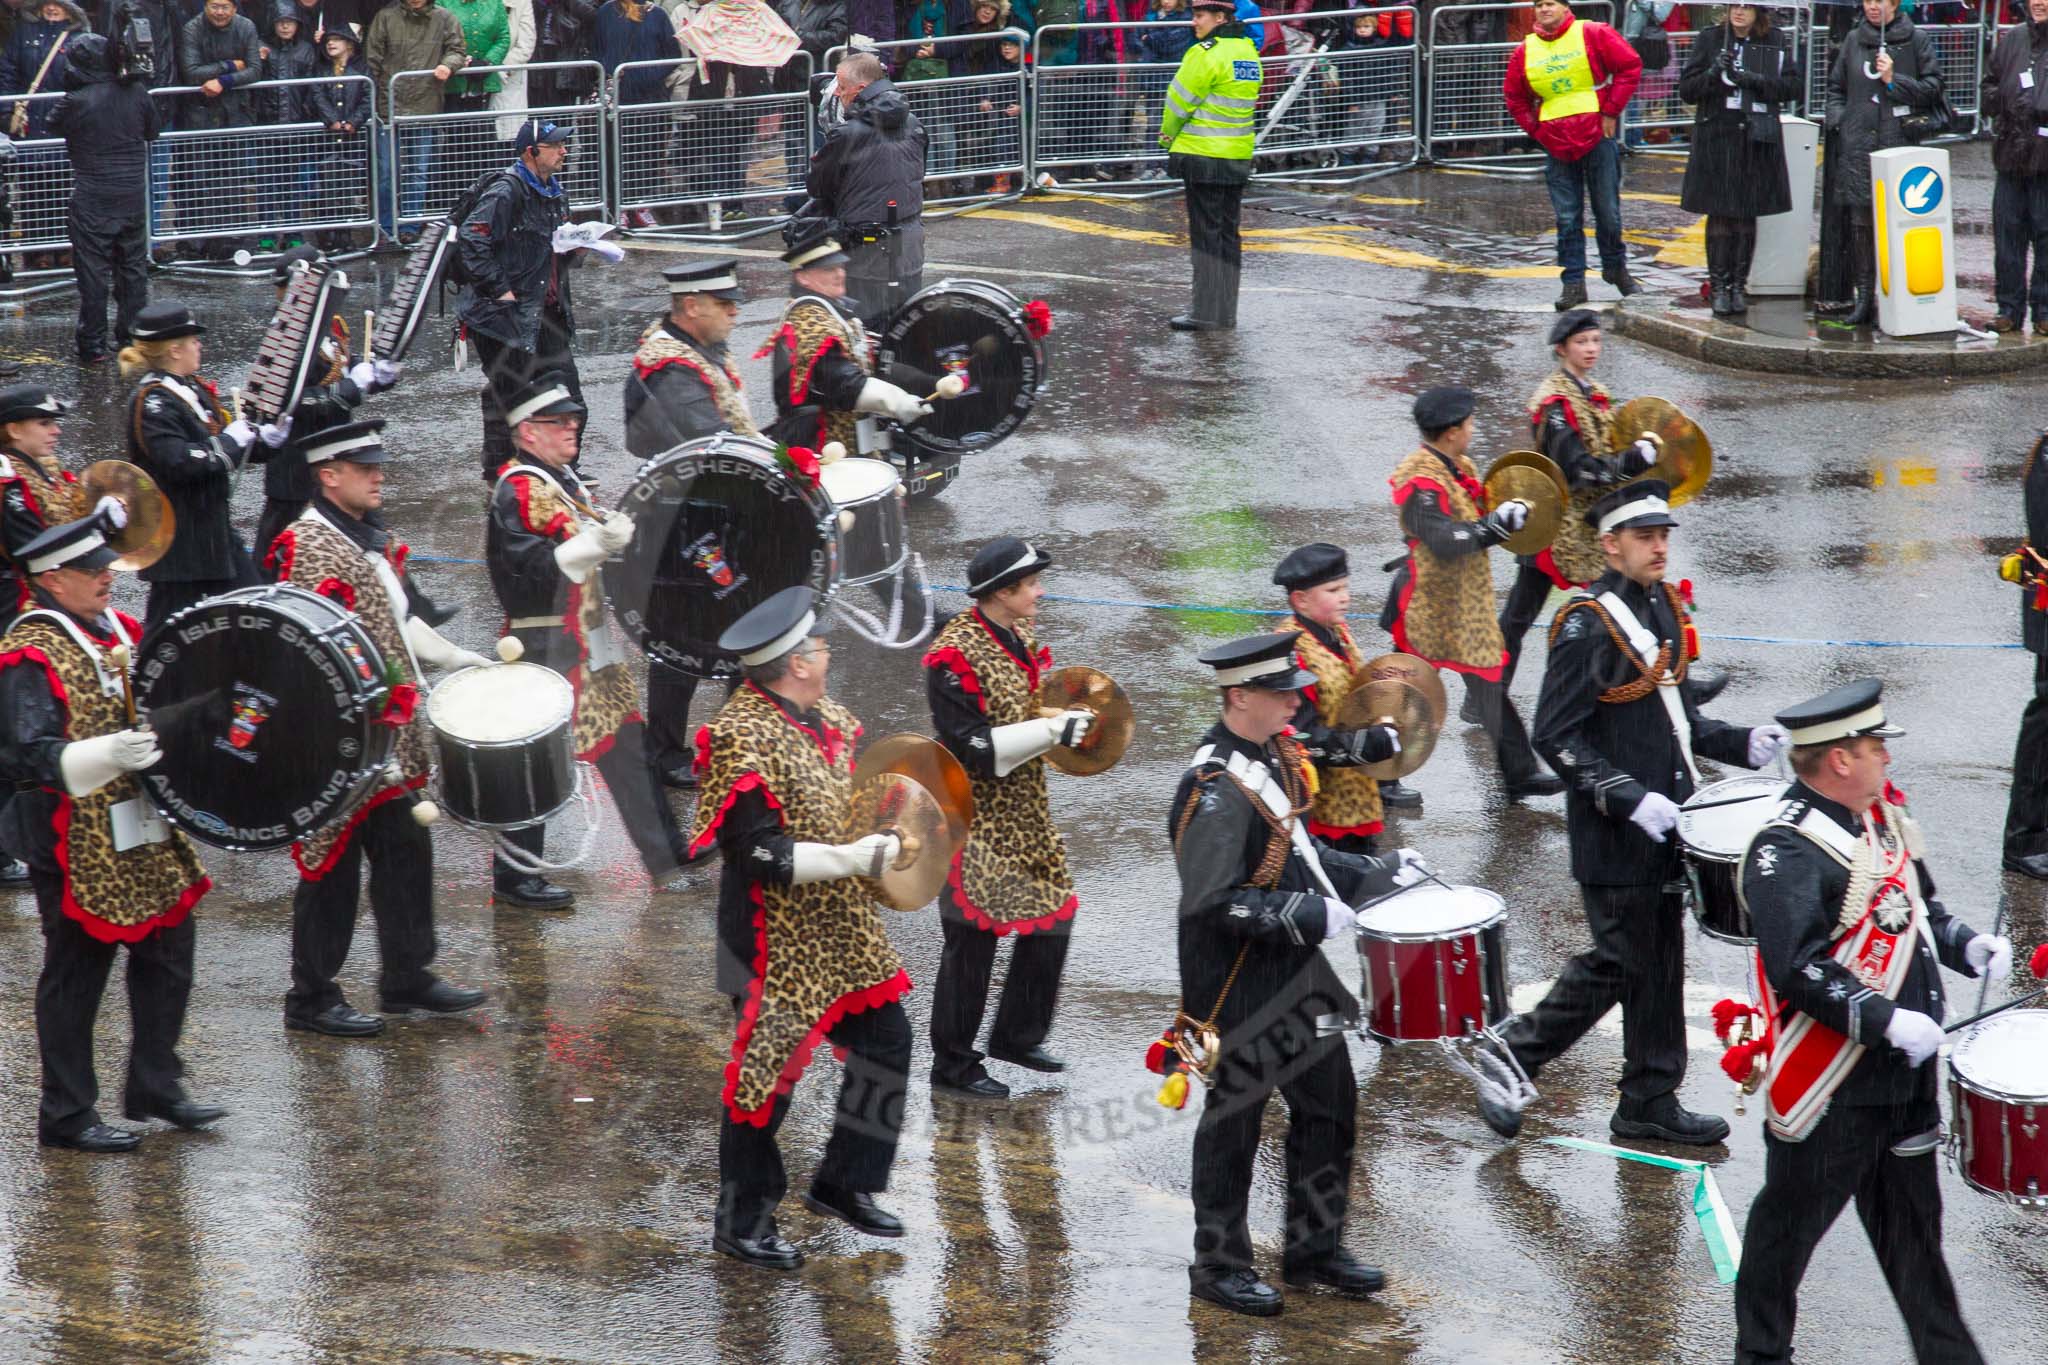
107, 120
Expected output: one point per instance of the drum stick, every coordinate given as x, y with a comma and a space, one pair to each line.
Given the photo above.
369, 329
1724, 801
235, 399
120, 656
1997, 927
2001, 1009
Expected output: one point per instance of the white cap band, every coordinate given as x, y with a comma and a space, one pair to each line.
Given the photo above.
1244, 673
58, 556
1840, 727
782, 643
535, 404
704, 286
828, 247
1628, 511
1030, 556
332, 450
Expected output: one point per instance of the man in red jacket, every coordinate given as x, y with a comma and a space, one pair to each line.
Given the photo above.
1566, 86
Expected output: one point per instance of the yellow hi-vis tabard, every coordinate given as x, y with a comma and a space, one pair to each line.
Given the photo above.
1210, 104
1560, 73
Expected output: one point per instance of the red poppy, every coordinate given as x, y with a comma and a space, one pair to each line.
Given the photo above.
1037, 318
398, 708
805, 462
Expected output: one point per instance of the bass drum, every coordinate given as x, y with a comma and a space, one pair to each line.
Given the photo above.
720, 527
265, 704
976, 330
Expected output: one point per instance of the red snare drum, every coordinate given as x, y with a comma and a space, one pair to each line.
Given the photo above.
1998, 1091
1434, 963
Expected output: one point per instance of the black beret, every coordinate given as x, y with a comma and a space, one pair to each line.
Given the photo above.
1572, 323
1312, 565
1444, 406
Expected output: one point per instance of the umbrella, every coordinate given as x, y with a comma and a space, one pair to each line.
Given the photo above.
742, 32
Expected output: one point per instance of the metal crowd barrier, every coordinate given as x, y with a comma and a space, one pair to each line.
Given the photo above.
973, 117
1468, 121
1344, 106
1656, 103
39, 190
706, 151
435, 157
1096, 120
274, 180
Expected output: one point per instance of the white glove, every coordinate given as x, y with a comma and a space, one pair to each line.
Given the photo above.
1640, 455
581, 553
1914, 1034
1508, 518
113, 510
1338, 918
240, 432
384, 373
615, 532
275, 434
1990, 956
1766, 742
1018, 744
435, 650
864, 857
363, 375
1409, 867
1655, 815
89, 764
881, 397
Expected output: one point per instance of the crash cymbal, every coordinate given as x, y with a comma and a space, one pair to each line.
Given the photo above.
927, 762
1390, 701
890, 803
1418, 673
1546, 509
1088, 689
1533, 459
151, 522
1686, 460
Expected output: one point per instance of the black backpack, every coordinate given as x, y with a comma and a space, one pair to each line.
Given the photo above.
458, 213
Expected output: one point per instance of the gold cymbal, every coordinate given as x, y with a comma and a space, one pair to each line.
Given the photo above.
151, 522
1417, 673
890, 803
1389, 701
1686, 460
1546, 509
927, 762
1533, 459
1088, 689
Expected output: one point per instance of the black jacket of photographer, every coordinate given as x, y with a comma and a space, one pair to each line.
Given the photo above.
508, 245
107, 126
876, 156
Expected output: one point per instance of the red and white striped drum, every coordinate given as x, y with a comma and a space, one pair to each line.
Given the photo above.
1998, 1092
1433, 960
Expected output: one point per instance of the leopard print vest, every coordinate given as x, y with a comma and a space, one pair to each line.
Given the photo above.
1448, 618
1576, 551
1348, 801
810, 327
658, 348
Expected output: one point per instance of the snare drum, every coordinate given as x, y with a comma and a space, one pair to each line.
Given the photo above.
976, 330
1714, 830
1998, 1098
265, 704
502, 736
876, 546
1433, 960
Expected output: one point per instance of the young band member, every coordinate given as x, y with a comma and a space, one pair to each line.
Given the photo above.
545, 543
1441, 606
1850, 942
802, 951
340, 548
106, 870
1258, 895
1010, 879
1346, 814
1616, 722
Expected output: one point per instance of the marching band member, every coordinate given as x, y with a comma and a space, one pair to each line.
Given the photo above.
1848, 938
106, 870
1258, 895
1010, 879
1441, 606
339, 548
802, 951
182, 437
2026, 811
1617, 723
684, 387
1346, 814
543, 547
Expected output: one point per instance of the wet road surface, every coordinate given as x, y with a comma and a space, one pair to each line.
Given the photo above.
535, 1181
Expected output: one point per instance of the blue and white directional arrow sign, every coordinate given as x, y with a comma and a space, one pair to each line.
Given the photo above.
1920, 190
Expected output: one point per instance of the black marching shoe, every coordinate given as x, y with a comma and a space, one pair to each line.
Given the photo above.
853, 1208
1031, 1059
1705, 682
979, 1088
182, 1112
681, 777
1573, 294
13, 874
769, 1250
338, 1021
1241, 1291
1399, 797
532, 893
2033, 865
1469, 712
1665, 1120
436, 997
1538, 784
100, 1137
1188, 322
1502, 1117
1625, 284
1340, 1270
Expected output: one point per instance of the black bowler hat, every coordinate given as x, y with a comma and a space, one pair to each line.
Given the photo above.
1265, 661
1001, 562
1312, 566
281, 271
1572, 323
773, 628
1444, 406
715, 279
78, 545
1644, 502
356, 442
545, 395
1849, 712
26, 402
164, 322
815, 248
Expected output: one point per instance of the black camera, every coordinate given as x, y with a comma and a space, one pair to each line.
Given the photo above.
133, 57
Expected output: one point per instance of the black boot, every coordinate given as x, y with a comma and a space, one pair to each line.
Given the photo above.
1865, 246
1738, 279
1572, 295
1863, 310
1719, 301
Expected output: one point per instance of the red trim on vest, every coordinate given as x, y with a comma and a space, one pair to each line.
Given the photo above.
521, 489
975, 915
1546, 564
314, 874
341, 592
800, 367
1323, 831
278, 559
750, 781
1031, 668
950, 657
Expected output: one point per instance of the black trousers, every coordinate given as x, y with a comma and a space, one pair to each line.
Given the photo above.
1637, 961
669, 694
278, 513
1848, 1156
1213, 211
1023, 1014
1530, 590
401, 855
2019, 223
2026, 814
74, 977
508, 367
873, 1081
1314, 1076
638, 798
108, 253
1504, 727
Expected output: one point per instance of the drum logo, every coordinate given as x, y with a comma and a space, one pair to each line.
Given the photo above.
250, 708
953, 359
707, 553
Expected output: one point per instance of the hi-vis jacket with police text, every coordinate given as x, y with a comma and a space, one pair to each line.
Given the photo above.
1209, 106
